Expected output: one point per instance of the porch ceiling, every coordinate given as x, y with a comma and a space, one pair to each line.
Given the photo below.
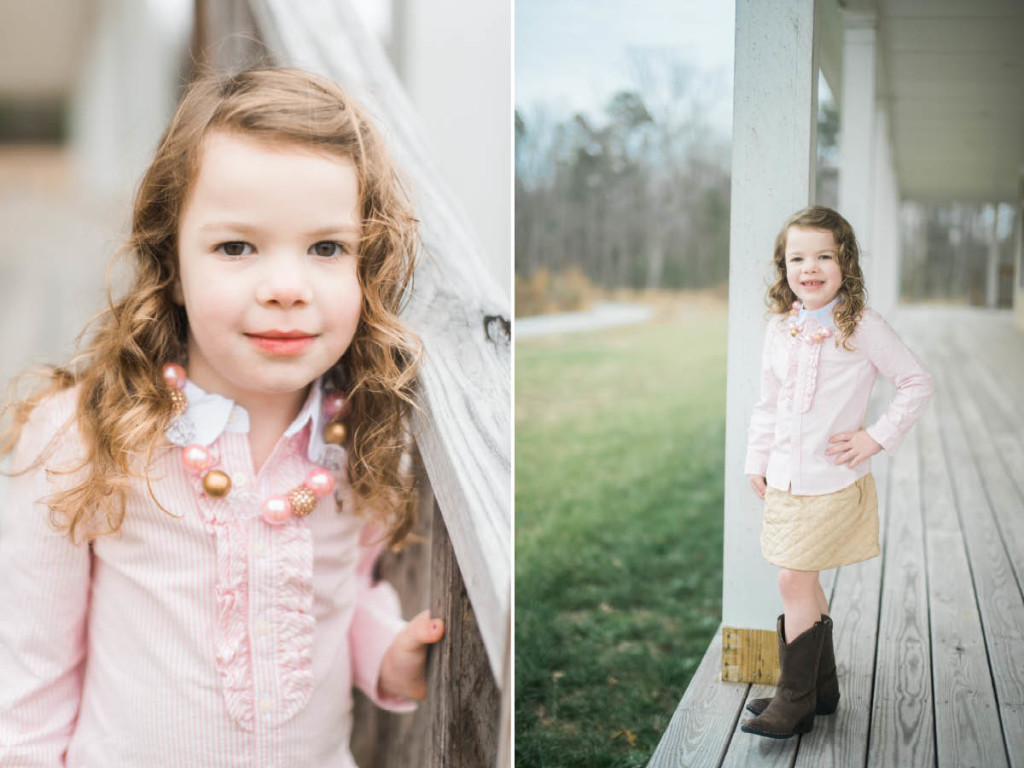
952, 75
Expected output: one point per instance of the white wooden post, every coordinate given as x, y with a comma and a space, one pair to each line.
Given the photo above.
883, 250
992, 272
857, 133
774, 129
1018, 253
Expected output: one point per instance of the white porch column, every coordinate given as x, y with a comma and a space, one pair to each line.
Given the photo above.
992, 271
774, 130
1018, 254
881, 253
858, 130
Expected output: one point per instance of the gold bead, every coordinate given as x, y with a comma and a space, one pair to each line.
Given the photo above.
179, 400
303, 501
335, 433
216, 484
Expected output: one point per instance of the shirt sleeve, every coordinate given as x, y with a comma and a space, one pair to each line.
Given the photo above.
44, 596
761, 433
900, 366
376, 621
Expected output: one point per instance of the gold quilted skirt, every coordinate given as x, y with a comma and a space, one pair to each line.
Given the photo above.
814, 533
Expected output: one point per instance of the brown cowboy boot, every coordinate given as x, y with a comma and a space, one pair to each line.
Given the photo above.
791, 710
828, 681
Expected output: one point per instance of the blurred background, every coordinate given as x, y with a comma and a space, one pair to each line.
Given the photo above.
87, 86
623, 155
86, 90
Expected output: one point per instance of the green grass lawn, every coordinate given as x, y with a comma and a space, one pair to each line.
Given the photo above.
620, 440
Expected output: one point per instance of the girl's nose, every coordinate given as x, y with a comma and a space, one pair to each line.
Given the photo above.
284, 283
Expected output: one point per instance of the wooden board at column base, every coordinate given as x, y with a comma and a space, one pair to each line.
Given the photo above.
750, 656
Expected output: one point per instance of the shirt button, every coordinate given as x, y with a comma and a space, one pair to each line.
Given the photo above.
266, 705
261, 626
260, 549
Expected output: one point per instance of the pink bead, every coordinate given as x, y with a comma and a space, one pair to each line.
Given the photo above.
196, 459
277, 510
174, 375
320, 482
336, 405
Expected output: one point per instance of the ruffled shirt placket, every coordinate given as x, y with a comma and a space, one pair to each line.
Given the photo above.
264, 588
800, 385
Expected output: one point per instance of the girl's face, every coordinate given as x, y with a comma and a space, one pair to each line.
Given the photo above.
267, 246
812, 266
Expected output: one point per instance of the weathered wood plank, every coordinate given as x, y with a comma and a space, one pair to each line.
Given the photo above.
467, 702
901, 709
999, 595
746, 749
1005, 499
462, 316
966, 719
702, 726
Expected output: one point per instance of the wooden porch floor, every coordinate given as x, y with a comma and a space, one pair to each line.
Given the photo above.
930, 636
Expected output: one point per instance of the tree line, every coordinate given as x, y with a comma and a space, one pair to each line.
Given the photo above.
634, 197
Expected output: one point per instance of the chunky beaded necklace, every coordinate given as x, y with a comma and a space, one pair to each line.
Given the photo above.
300, 501
819, 335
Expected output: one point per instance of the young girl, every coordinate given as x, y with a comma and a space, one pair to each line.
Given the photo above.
808, 453
188, 537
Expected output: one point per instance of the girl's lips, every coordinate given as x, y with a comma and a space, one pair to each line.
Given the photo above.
282, 345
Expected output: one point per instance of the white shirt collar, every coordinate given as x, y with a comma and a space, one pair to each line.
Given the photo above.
823, 314
210, 415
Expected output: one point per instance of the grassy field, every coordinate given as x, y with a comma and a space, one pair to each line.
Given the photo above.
620, 439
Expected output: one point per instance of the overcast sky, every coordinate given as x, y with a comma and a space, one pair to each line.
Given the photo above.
571, 55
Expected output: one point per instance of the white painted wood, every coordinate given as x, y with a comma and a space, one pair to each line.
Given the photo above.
463, 429
125, 90
882, 262
774, 124
469, 128
858, 133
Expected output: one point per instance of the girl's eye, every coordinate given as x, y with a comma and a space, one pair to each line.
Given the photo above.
329, 249
230, 249
826, 255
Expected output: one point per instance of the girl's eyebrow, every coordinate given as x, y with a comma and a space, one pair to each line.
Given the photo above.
330, 229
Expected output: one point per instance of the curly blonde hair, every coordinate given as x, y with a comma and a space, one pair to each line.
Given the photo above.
852, 291
122, 405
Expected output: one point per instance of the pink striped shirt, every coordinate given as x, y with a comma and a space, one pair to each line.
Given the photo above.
812, 391
203, 637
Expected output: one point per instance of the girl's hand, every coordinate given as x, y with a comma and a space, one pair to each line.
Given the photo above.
403, 671
758, 484
853, 447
